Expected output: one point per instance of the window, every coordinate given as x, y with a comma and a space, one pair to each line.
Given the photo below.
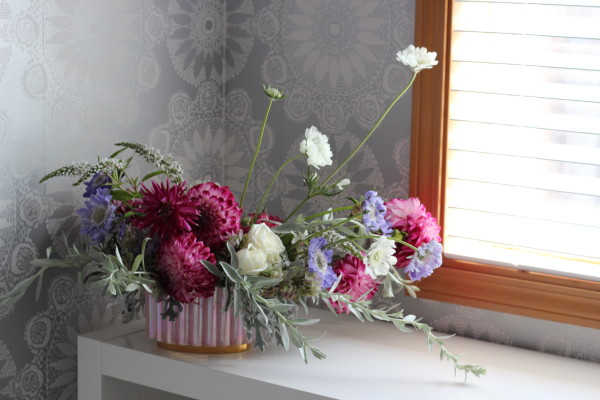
552, 282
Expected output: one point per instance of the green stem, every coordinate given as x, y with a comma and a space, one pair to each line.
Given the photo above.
260, 139
328, 212
319, 233
298, 207
332, 244
404, 243
262, 200
371, 131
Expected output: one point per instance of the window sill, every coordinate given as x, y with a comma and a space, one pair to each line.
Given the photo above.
363, 361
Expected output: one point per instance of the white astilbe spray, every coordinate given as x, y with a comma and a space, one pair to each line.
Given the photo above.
166, 163
316, 147
380, 257
418, 58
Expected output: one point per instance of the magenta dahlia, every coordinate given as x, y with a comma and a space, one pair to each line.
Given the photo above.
355, 281
218, 214
411, 217
166, 209
183, 275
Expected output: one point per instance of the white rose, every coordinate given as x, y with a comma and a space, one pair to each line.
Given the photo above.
262, 237
251, 260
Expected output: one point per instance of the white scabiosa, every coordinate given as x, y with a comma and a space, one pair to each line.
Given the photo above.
316, 147
417, 58
380, 257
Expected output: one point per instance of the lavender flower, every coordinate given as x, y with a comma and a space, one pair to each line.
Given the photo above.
427, 258
99, 180
319, 261
374, 214
97, 216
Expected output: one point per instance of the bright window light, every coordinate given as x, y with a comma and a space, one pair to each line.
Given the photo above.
523, 171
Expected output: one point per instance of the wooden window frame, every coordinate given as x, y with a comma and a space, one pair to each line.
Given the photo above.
538, 295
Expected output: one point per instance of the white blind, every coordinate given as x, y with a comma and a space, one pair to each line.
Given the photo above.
523, 173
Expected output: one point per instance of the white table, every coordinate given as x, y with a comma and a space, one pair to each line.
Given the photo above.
365, 361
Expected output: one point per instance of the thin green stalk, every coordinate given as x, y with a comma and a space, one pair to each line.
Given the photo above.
352, 239
315, 234
328, 212
339, 167
298, 207
262, 200
404, 243
260, 139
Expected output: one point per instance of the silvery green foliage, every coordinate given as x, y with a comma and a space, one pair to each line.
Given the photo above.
362, 309
113, 165
266, 320
109, 272
170, 167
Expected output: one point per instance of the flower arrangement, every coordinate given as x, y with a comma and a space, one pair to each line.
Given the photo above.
179, 241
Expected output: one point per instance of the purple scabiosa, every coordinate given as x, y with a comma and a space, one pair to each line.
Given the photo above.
319, 261
374, 214
97, 181
427, 258
98, 216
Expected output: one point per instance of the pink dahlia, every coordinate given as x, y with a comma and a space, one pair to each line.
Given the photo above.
218, 214
355, 281
183, 275
166, 209
263, 218
411, 217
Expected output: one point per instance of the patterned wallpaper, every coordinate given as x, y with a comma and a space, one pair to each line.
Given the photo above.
185, 76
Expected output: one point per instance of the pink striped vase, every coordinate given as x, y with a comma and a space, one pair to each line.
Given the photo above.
201, 327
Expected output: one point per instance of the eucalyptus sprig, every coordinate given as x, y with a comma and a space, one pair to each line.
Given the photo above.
268, 319
361, 308
73, 259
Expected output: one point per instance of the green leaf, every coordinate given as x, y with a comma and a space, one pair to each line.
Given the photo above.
356, 313
296, 337
38, 289
121, 195
212, 268
304, 321
231, 273
303, 354
232, 255
285, 337
136, 263
289, 227
132, 287
152, 175
262, 281
401, 327
280, 307
318, 353
347, 232
116, 153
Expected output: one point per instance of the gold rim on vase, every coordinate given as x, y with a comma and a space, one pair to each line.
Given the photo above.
237, 348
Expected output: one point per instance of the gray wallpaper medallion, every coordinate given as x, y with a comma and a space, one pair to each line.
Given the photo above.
186, 77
